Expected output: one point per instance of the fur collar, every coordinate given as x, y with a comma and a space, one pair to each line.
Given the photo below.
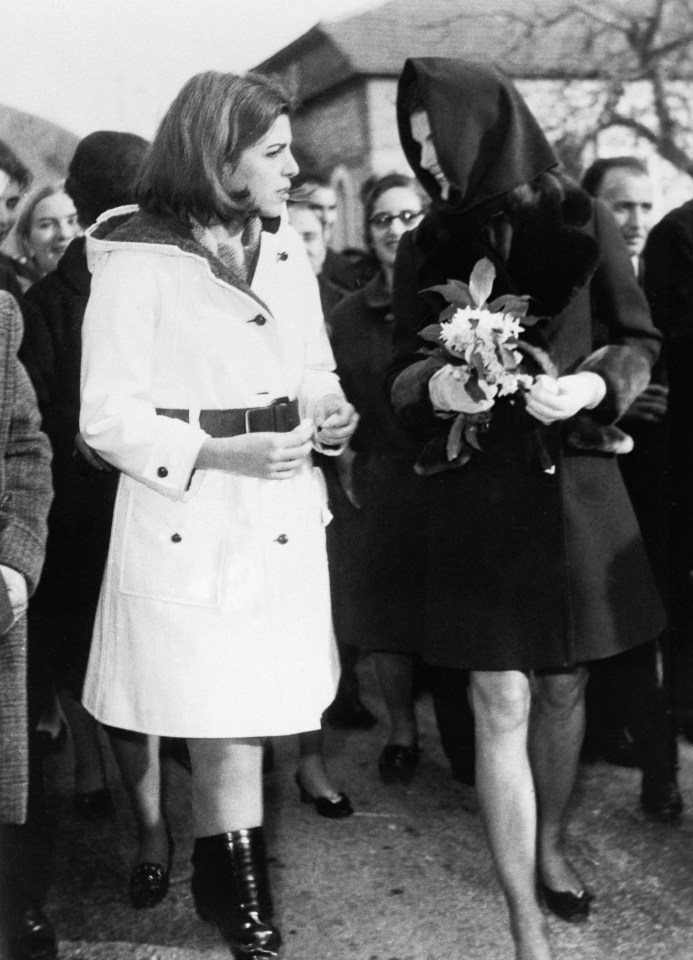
128, 225
553, 254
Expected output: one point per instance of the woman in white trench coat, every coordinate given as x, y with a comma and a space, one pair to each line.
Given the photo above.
207, 380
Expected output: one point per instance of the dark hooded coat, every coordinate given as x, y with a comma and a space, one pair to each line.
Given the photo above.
535, 559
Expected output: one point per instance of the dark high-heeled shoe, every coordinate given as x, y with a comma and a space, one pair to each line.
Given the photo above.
569, 906
324, 806
397, 764
149, 882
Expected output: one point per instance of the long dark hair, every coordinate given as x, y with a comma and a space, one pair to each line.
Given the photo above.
214, 118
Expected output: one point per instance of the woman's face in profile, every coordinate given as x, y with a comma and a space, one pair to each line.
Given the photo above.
421, 133
53, 225
394, 212
261, 179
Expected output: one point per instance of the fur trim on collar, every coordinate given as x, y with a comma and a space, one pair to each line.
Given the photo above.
130, 225
553, 255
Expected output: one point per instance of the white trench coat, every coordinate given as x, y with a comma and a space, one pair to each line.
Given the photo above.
214, 618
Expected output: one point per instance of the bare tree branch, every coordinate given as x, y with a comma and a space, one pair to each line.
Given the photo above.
620, 42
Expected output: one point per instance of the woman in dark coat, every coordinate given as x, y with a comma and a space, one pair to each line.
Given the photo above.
380, 557
102, 175
535, 560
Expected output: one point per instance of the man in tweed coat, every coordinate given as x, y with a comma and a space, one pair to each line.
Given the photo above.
25, 495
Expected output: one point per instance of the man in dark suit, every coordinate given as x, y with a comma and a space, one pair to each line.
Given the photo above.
627, 718
623, 183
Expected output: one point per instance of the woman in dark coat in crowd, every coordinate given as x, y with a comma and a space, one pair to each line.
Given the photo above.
535, 560
380, 563
102, 175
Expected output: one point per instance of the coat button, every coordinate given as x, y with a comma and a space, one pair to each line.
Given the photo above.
176, 538
259, 320
282, 538
162, 472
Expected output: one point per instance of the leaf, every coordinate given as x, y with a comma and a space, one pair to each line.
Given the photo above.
476, 361
433, 458
472, 438
481, 281
454, 291
507, 357
474, 390
510, 303
431, 333
454, 443
540, 357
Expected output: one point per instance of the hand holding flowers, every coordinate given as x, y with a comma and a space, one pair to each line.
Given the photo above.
550, 400
481, 342
486, 359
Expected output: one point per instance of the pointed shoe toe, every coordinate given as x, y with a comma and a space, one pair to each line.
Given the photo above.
569, 906
324, 806
149, 882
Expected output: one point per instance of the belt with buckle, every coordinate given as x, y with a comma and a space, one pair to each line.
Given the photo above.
280, 416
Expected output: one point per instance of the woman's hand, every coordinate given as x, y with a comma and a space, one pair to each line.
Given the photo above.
550, 400
335, 420
268, 456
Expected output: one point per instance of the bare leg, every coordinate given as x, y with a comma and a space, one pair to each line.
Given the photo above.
230, 882
312, 773
138, 759
90, 773
227, 785
394, 672
558, 723
501, 703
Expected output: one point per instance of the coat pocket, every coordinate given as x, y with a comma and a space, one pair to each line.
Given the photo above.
171, 549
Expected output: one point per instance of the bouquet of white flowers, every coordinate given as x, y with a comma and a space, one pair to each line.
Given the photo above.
480, 340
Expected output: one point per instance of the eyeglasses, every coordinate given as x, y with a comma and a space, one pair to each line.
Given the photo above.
381, 221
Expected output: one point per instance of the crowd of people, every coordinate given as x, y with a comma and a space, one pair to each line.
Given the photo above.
462, 451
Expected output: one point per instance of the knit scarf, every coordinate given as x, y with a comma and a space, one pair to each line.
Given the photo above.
241, 265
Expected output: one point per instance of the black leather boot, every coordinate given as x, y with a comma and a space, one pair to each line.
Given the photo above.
230, 888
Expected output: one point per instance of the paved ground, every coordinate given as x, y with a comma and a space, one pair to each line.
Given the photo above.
407, 877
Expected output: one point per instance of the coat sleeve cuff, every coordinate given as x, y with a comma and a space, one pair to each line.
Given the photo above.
626, 373
411, 398
171, 463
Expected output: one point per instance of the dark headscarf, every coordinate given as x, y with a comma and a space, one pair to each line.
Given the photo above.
488, 143
486, 139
